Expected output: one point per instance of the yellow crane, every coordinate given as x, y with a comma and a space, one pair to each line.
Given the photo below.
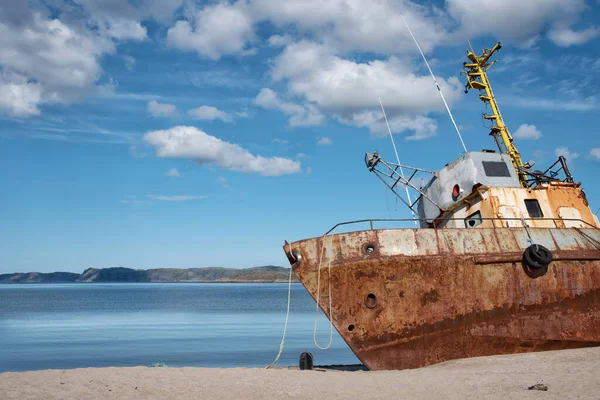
476, 72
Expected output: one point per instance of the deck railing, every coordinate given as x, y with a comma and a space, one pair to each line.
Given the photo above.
436, 224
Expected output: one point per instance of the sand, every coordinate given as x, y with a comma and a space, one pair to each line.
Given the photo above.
568, 374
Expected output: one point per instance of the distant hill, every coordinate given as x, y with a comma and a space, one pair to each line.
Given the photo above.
118, 274
39, 277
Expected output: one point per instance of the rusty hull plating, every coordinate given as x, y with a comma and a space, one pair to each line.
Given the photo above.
407, 298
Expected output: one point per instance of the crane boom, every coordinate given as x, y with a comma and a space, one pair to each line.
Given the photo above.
476, 72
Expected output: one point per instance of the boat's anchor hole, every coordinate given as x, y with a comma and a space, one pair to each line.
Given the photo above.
369, 248
294, 257
351, 327
371, 301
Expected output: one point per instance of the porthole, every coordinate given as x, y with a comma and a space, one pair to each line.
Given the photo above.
371, 300
369, 248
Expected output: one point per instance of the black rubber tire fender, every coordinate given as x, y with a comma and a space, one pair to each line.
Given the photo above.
537, 256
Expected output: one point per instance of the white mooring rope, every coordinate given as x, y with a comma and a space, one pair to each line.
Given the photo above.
319, 297
287, 316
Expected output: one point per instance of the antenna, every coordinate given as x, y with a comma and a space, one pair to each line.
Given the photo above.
398, 158
470, 45
436, 84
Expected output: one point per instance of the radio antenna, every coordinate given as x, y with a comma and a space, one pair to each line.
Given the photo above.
398, 159
436, 84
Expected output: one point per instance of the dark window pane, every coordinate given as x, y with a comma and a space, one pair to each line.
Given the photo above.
473, 220
533, 208
496, 168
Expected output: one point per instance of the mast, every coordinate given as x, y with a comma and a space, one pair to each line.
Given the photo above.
477, 79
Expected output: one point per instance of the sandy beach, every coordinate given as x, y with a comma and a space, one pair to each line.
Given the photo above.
568, 374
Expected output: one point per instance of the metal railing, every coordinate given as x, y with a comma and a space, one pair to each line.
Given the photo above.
552, 174
436, 225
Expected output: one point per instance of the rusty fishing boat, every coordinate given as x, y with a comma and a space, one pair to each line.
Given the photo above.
505, 259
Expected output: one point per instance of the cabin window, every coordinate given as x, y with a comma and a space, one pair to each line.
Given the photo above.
496, 169
473, 220
533, 208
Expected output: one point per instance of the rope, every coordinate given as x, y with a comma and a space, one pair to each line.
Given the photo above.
399, 164
287, 315
319, 297
527, 230
436, 84
589, 239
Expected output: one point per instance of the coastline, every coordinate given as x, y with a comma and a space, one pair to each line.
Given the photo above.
565, 373
264, 274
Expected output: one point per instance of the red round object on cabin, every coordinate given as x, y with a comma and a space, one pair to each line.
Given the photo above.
455, 192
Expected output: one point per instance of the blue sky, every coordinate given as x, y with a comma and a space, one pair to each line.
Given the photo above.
187, 134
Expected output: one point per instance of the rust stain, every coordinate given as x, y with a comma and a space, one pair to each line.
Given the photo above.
430, 297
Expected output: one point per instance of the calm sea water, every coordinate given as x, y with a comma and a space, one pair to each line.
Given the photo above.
62, 326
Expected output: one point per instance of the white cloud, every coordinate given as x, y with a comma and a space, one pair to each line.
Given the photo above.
349, 90
129, 62
209, 113
517, 21
334, 83
581, 104
123, 29
192, 143
354, 25
527, 131
174, 198
300, 115
135, 152
134, 201
108, 11
279, 40
243, 114
45, 61
564, 151
348, 25
280, 141
157, 109
564, 36
422, 127
214, 31
18, 96
224, 183
56, 47
325, 141
172, 172
595, 153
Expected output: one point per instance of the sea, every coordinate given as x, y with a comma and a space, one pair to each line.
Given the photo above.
65, 326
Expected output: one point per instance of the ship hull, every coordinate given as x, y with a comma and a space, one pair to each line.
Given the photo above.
408, 298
